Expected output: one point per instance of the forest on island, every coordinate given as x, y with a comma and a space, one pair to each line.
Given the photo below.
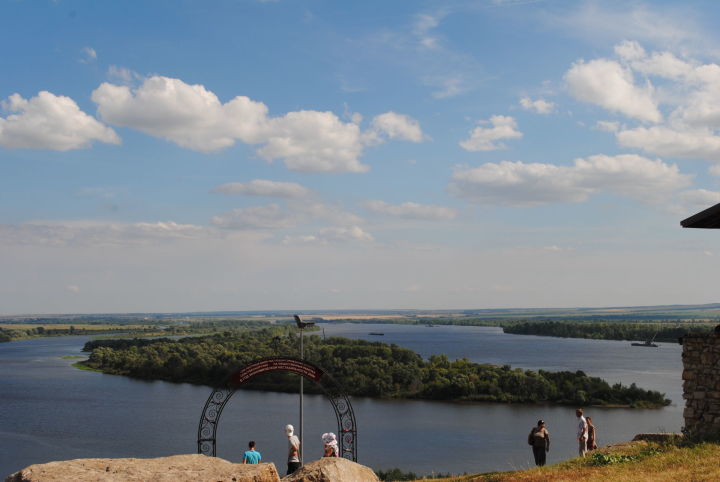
666, 332
364, 368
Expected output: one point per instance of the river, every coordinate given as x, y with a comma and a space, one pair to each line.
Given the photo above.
52, 411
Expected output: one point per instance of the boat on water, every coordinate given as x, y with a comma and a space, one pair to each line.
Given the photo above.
648, 343
374, 333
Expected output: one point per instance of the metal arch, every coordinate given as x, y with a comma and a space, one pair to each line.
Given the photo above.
344, 414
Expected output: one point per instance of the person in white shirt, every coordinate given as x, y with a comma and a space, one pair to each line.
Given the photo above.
582, 432
293, 462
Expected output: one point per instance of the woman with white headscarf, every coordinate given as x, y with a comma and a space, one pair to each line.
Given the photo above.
330, 445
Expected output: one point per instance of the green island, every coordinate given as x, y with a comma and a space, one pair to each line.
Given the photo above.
604, 330
371, 369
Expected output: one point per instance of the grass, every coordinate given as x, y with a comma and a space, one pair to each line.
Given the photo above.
81, 366
72, 357
632, 461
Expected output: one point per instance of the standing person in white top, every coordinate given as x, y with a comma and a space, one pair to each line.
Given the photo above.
293, 462
582, 432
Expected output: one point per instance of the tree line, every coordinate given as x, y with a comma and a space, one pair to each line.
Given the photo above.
364, 368
608, 330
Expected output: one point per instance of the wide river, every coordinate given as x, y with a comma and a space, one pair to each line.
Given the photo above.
52, 411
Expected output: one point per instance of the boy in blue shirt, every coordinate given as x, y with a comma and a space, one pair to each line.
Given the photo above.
252, 456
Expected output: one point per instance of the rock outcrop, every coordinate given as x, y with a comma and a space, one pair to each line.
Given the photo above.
332, 469
178, 468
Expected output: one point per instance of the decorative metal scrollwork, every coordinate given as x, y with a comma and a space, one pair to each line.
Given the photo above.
347, 428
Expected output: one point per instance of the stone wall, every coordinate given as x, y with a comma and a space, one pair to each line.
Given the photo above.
701, 383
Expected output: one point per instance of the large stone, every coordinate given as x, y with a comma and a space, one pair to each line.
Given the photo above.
332, 469
178, 468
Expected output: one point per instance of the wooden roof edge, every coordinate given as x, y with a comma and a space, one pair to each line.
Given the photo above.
703, 219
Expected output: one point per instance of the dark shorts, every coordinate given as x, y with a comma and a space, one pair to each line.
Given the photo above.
292, 467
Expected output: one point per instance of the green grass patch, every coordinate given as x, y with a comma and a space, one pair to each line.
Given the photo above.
72, 357
81, 366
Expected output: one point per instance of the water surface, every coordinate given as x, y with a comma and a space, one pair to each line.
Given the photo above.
52, 411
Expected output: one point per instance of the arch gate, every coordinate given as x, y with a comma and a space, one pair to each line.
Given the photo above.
347, 429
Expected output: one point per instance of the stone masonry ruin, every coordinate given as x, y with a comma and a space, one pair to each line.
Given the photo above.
701, 383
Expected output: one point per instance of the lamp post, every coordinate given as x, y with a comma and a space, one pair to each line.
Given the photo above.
301, 325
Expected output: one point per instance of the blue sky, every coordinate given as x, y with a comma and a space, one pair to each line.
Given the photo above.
187, 155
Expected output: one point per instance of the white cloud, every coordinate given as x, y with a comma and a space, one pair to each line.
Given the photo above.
424, 24
332, 235
412, 210
520, 184
665, 141
714, 170
263, 187
123, 75
607, 126
539, 106
696, 200
671, 25
484, 138
448, 85
188, 115
345, 234
663, 64
274, 216
312, 141
629, 50
397, 126
97, 233
193, 117
89, 55
73, 288
270, 216
48, 121
609, 85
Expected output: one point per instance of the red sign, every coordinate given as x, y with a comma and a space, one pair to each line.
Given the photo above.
277, 364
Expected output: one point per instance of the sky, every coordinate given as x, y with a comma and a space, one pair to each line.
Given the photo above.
181, 155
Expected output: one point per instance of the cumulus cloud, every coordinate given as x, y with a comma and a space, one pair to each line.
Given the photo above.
532, 184
539, 106
264, 187
688, 89
396, 126
485, 138
696, 200
193, 117
412, 210
188, 115
666, 141
48, 121
608, 84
